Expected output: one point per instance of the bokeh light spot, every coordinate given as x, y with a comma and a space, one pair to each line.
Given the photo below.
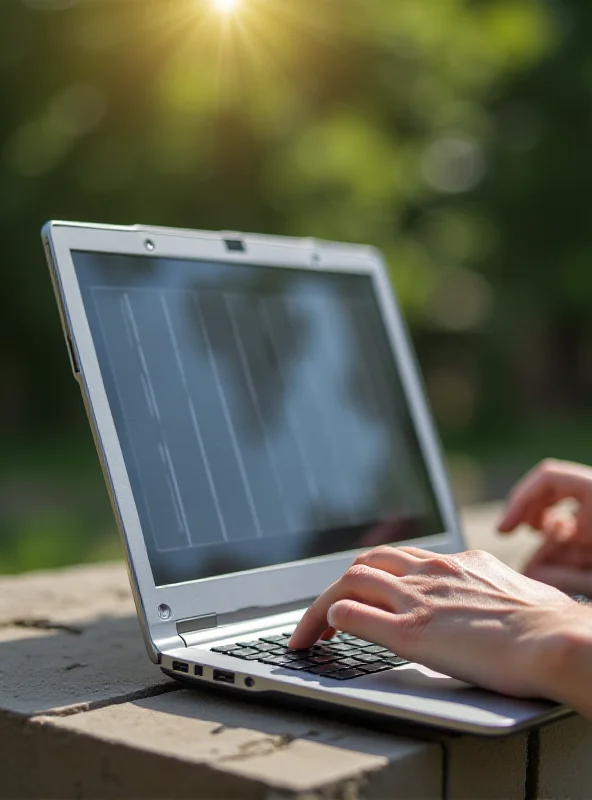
462, 300
453, 164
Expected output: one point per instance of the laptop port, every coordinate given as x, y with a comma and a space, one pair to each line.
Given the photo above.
222, 676
180, 666
235, 244
198, 670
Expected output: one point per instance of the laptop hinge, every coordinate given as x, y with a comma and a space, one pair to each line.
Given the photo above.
195, 625
194, 631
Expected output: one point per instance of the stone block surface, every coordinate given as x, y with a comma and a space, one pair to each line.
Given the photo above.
85, 714
290, 753
563, 761
71, 638
486, 769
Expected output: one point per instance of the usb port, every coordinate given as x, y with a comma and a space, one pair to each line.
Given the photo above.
222, 676
180, 666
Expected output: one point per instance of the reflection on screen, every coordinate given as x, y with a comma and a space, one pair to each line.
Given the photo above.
259, 410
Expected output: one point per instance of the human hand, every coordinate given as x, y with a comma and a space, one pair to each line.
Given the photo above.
541, 489
564, 559
467, 615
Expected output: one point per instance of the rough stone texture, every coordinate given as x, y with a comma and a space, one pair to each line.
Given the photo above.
486, 769
93, 661
85, 714
564, 762
291, 753
57, 593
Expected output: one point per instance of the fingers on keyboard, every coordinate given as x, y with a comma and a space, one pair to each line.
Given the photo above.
342, 658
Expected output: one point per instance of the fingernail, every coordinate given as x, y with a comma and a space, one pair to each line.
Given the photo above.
502, 525
331, 615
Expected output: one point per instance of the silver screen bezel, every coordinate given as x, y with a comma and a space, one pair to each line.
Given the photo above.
260, 590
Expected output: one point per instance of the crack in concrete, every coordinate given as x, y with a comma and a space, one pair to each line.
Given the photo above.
80, 708
41, 624
260, 747
220, 729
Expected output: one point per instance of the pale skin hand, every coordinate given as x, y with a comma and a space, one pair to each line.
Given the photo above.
467, 615
564, 559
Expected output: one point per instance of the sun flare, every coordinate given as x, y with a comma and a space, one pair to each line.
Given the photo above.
225, 6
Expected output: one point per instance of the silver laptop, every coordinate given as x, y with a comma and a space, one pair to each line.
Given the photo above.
260, 420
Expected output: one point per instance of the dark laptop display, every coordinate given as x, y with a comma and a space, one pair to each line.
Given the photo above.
260, 412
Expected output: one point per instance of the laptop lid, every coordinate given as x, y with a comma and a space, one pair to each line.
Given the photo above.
257, 411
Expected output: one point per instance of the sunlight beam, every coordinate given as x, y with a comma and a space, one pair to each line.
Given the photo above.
225, 6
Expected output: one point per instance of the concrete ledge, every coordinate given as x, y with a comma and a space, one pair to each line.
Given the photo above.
85, 714
63, 651
255, 748
564, 762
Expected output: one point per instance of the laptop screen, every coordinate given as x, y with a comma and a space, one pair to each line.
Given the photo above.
260, 412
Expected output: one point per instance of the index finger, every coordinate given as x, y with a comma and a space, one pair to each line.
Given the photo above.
544, 486
373, 587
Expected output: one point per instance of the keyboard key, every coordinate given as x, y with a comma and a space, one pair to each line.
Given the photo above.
322, 650
324, 669
343, 657
279, 651
340, 647
369, 658
394, 661
279, 637
300, 664
349, 662
292, 656
303, 659
378, 666
347, 674
288, 651
276, 661
225, 648
246, 652
349, 652
322, 659
288, 658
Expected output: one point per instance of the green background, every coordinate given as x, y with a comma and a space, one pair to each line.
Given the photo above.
455, 135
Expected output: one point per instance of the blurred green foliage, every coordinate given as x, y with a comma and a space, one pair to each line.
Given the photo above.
453, 134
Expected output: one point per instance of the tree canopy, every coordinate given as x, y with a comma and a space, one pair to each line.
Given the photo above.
452, 134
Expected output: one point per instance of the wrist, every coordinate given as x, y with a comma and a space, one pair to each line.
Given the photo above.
564, 657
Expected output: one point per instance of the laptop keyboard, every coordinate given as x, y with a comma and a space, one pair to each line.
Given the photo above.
342, 658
